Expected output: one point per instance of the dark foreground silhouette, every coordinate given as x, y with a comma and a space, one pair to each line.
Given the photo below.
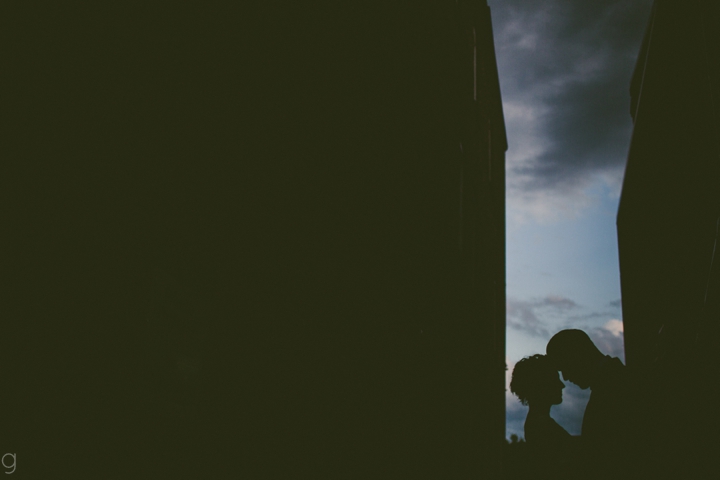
251, 240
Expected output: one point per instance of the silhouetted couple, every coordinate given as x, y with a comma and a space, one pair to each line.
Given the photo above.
606, 420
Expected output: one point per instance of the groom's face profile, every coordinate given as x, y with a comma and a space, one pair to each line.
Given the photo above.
548, 389
575, 356
576, 374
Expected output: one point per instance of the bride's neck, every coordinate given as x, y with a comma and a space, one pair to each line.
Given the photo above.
540, 409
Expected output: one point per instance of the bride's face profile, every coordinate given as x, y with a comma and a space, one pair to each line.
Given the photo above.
535, 381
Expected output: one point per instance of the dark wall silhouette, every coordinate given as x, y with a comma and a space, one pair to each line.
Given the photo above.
253, 240
667, 231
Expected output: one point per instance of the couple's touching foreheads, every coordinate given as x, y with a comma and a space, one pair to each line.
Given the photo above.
536, 382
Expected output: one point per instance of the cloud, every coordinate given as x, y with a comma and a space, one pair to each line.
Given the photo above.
522, 317
616, 303
558, 302
525, 315
615, 326
610, 338
589, 316
565, 71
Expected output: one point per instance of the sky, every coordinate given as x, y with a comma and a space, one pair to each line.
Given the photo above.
565, 69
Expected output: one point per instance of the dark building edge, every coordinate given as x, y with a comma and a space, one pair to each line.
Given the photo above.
667, 235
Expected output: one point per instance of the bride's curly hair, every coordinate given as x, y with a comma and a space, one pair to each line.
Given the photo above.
528, 376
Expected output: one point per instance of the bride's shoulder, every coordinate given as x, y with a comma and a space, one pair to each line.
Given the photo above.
543, 429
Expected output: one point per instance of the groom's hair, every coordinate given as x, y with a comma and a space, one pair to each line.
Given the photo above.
530, 376
569, 346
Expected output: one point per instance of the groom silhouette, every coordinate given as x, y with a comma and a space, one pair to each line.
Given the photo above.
606, 421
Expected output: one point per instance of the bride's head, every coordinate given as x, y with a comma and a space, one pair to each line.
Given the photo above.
535, 381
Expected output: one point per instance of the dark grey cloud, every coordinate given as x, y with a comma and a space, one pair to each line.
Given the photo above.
616, 303
565, 69
521, 316
524, 315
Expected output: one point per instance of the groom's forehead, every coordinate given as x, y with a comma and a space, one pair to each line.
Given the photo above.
556, 362
565, 366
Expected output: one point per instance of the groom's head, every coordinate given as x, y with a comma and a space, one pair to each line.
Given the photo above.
575, 356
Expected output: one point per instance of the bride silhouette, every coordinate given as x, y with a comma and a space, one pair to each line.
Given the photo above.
552, 452
537, 384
